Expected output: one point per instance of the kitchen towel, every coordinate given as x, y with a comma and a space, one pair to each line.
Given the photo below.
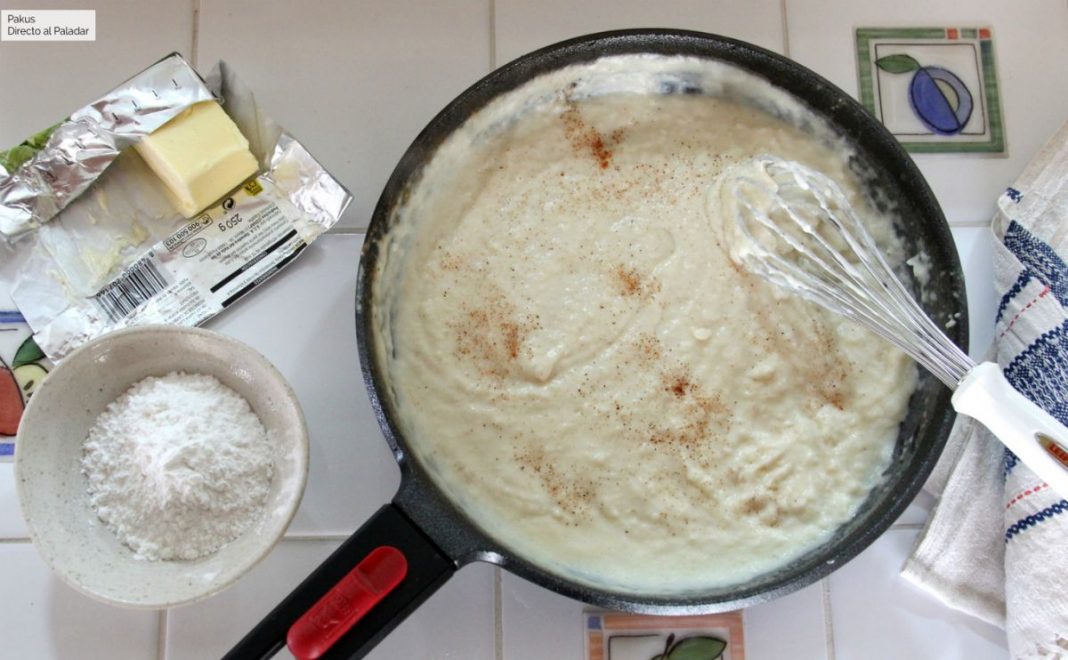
996, 544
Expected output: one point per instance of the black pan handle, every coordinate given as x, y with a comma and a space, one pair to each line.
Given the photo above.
360, 593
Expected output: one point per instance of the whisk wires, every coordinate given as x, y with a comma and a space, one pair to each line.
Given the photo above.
799, 230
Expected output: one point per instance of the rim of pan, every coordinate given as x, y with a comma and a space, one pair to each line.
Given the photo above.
462, 538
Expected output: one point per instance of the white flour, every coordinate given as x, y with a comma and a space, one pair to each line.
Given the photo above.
178, 466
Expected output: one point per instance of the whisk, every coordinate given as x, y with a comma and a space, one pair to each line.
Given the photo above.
796, 228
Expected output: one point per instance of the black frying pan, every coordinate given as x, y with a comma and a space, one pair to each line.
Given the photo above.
412, 545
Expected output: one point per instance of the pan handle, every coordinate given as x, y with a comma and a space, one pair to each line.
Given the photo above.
379, 576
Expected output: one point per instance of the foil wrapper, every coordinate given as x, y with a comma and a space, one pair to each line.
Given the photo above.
100, 246
82, 147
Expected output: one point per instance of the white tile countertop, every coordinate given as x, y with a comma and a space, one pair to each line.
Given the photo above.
356, 81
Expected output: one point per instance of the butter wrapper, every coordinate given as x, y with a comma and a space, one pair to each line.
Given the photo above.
83, 146
120, 255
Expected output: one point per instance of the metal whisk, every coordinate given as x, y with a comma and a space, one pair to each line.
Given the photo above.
796, 228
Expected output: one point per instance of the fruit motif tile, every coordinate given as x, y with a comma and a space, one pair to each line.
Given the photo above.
617, 636
22, 367
936, 89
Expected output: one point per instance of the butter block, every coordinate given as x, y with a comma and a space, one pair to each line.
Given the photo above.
200, 155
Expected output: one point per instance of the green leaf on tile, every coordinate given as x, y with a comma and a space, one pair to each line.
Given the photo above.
28, 353
698, 648
900, 63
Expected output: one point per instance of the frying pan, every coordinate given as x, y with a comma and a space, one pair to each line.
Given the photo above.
412, 545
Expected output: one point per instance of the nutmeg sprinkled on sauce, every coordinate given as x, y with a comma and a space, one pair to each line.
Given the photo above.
580, 365
585, 138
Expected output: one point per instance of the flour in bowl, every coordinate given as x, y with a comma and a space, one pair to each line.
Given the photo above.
178, 466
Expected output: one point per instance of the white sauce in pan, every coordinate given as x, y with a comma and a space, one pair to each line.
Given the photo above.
584, 370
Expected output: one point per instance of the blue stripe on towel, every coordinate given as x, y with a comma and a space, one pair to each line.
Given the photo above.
1011, 460
1040, 372
7, 448
11, 316
1030, 521
1039, 259
1013, 291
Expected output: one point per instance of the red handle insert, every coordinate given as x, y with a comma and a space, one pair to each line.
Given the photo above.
347, 602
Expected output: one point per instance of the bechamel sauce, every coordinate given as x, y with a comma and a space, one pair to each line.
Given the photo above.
582, 368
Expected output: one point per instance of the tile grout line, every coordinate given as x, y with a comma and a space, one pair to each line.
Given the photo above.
492, 34
196, 32
828, 624
908, 526
498, 616
828, 619
785, 29
329, 536
969, 223
317, 537
161, 647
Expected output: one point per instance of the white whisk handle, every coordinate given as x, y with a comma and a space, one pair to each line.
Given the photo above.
1039, 440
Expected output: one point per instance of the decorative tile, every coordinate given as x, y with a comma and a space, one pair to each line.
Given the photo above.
935, 89
22, 368
1032, 47
618, 636
877, 615
521, 27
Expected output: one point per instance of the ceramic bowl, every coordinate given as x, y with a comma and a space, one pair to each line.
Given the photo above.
53, 491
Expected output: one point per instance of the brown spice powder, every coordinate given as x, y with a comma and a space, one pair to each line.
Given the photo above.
586, 138
491, 335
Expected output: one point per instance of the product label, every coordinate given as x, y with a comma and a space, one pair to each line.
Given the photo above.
209, 263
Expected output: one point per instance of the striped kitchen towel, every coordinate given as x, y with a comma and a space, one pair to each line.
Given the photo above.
996, 545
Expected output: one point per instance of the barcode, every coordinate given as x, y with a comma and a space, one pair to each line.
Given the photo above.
124, 294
